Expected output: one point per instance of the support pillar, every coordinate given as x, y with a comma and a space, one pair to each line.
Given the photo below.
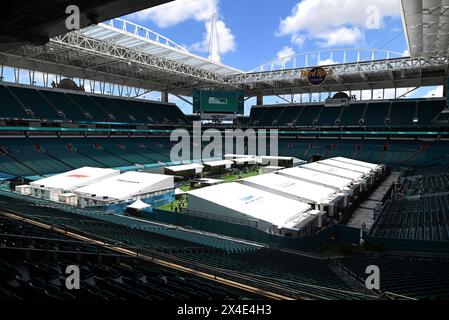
164, 96
446, 91
259, 101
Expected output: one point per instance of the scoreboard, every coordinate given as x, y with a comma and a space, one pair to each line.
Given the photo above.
216, 101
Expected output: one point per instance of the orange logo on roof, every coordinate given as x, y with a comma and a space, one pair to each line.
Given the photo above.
78, 176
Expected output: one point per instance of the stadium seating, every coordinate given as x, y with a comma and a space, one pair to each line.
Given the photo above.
376, 114
65, 105
41, 156
312, 277
403, 113
395, 114
352, 114
428, 110
426, 218
56, 105
11, 108
269, 118
329, 117
288, 116
308, 115
33, 100
36, 269
31, 156
256, 115
415, 277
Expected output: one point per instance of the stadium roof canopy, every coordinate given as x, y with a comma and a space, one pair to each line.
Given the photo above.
426, 24
125, 54
35, 22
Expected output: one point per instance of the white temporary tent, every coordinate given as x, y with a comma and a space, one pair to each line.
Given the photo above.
130, 185
292, 188
347, 166
220, 163
76, 178
238, 202
321, 178
138, 205
339, 172
52, 187
357, 162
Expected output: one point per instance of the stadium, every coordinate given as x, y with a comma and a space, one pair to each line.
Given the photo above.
316, 176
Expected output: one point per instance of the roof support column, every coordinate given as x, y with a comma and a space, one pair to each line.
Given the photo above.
446, 91
164, 96
259, 100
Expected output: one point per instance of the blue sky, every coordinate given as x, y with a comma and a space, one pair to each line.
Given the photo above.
256, 27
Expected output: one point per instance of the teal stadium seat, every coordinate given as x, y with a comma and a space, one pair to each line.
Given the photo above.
32, 99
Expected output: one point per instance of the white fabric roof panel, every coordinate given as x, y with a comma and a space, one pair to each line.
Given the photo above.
186, 167
357, 162
426, 24
240, 201
344, 173
128, 185
219, 163
245, 160
347, 166
321, 178
75, 179
237, 156
130, 35
301, 190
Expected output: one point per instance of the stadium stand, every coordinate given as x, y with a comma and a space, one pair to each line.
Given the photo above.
309, 113
406, 113
289, 116
40, 257
376, 114
58, 105
415, 277
419, 209
403, 113
428, 111
426, 218
312, 277
34, 101
329, 117
352, 114
303, 276
11, 108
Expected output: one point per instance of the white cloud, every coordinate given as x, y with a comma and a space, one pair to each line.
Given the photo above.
223, 42
284, 56
326, 62
286, 52
336, 22
298, 40
173, 13
341, 36
435, 93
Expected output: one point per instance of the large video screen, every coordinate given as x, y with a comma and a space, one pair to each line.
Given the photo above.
215, 101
